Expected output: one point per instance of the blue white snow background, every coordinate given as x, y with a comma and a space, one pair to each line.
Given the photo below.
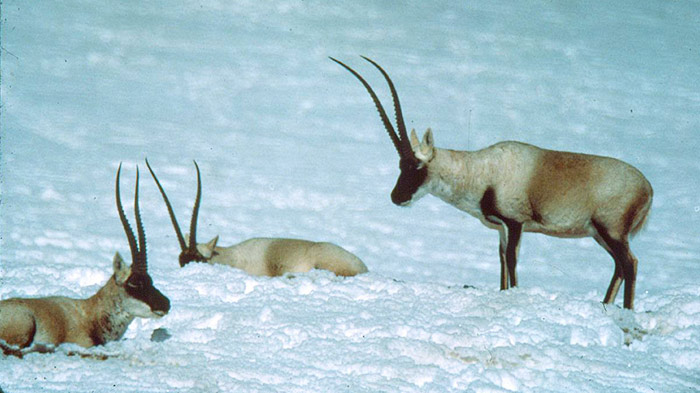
290, 145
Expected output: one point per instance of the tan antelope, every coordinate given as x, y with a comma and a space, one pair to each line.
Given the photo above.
515, 187
129, 293
261, 256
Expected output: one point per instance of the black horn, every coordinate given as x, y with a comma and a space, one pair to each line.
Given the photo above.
195, 211
398, 144
125, 223
139, 265
189, 252
406, 150
180, 238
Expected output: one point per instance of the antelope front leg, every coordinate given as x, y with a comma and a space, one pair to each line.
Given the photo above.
515, 230
509, 236
502, 247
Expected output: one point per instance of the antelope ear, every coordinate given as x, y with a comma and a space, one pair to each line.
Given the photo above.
121, 270
207, 250
428, 141
415, 144
424, 150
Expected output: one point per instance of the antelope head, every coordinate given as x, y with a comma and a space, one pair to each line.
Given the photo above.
413, 155
135, 280
190, 250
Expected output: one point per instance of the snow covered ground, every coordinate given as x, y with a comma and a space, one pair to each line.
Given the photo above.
290, 145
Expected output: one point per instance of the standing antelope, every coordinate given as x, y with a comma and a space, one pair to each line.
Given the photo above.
261, 256
515, 187
104, 317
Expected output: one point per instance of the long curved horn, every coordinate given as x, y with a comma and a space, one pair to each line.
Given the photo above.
139, 265
180, 238
125, 223
382, 114
403, 136
195, 210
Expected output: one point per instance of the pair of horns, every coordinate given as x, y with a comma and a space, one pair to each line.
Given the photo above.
138, 254
195, 212
401, 141
139, 265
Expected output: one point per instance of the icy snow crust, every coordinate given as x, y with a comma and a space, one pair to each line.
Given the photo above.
290, 145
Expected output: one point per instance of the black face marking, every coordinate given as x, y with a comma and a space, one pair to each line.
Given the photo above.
189, 255
410, 179
141, 287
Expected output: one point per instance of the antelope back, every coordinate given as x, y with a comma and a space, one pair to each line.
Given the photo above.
277, 256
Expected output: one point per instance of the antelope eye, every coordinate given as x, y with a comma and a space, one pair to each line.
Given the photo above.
137, 282
410, 165
133, 285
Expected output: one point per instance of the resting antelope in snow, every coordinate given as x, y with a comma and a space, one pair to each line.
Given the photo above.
261, 256
104, 317
515, 187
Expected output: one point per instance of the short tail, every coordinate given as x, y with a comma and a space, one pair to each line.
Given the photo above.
642, 215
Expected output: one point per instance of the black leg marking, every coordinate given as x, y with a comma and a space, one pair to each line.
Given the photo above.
515, 230
510, 236
97, 330
614, 286
625, 266
9, 350
502, 256
536, 216
616, 280
488, 207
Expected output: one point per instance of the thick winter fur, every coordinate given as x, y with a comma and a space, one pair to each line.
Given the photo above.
552, 192
515, 187
275, 257
103, 317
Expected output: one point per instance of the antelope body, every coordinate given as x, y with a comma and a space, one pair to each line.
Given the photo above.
103, 317
276, 256
515, 187
262, 256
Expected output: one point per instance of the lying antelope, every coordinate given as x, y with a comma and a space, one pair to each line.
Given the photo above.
104, 317
261, 256
515, 187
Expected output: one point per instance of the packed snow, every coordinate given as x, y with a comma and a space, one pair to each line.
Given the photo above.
290, 145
